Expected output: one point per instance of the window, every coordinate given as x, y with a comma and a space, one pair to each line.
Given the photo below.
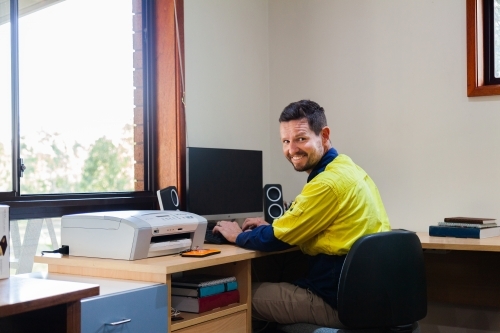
491, 18
153, 31
82, 106
76, 97
5, 100
483, 47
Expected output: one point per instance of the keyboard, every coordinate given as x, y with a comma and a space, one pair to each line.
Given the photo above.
215, 238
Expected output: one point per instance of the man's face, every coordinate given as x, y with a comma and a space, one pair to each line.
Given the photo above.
301, 146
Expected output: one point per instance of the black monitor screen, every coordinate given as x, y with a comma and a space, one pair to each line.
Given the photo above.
224, 183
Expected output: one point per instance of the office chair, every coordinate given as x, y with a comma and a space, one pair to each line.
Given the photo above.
382, 286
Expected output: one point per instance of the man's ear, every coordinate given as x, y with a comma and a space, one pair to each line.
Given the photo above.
325, 134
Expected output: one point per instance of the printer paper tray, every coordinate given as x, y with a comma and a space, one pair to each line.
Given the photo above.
169, 247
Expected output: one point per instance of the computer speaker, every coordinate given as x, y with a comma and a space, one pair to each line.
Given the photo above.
273, 202
168, 198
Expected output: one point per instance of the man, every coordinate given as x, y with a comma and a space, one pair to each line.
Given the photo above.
339, 204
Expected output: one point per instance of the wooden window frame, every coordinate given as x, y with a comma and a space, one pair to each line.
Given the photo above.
170, 120
475, 52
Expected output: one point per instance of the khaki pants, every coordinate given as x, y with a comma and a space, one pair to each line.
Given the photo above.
286, 303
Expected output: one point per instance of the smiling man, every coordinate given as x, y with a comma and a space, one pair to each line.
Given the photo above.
339, 204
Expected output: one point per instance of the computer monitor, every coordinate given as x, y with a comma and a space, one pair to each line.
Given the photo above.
224, 184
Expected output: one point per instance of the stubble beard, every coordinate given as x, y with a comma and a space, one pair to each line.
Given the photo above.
309, 164
307, 167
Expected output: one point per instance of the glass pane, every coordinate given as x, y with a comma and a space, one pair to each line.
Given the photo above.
29, 238
5, 100
77, 96
497, 37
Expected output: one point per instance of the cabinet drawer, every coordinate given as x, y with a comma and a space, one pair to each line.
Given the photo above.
145, 307
233, 323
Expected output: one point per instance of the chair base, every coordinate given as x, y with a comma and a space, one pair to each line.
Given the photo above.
310, 328
404, 328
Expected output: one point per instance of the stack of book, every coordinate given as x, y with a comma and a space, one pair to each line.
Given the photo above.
465, 227
202, 292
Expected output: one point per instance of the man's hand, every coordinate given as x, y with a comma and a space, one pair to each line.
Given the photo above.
230, 230
253, 222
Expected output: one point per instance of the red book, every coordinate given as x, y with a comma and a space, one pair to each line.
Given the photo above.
476, 220
207, 303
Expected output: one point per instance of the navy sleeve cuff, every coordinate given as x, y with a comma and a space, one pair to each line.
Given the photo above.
262, 239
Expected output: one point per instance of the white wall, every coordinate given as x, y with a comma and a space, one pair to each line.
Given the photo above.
227, 75
391, 76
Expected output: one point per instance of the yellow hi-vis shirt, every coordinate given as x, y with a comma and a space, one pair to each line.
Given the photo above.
334, 209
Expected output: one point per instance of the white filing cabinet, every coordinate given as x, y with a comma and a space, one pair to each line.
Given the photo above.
122, 305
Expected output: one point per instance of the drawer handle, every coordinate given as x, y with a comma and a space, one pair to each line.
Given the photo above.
116, 323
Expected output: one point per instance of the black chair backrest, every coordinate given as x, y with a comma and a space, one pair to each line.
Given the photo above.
383, 283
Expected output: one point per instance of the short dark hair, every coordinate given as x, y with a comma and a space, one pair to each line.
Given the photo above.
308, 109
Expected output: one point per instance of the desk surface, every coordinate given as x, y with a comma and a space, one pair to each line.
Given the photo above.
230, 253
491, 244
19, 295
159, 265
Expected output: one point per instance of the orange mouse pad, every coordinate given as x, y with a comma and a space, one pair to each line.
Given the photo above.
200, 253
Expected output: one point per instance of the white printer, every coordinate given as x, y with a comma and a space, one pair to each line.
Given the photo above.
132, 235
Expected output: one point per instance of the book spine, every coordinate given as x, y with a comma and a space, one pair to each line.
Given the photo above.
465, 220
204, 291
185, 303
443, 231
180, 283
218, 281
231, 286
203, 304
191, 292
467, 225
218, 300
211, 290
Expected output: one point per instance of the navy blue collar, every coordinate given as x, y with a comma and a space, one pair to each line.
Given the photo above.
325, 160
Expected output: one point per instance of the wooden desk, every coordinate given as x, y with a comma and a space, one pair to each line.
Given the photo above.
462, 271
33, 305
231, 261
462, 244
459, 271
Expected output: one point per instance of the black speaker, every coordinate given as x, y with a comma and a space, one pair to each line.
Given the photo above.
168, 198
273, 202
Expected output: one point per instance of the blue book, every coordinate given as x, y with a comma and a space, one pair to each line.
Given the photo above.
463, 232
202, 285
204, 291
